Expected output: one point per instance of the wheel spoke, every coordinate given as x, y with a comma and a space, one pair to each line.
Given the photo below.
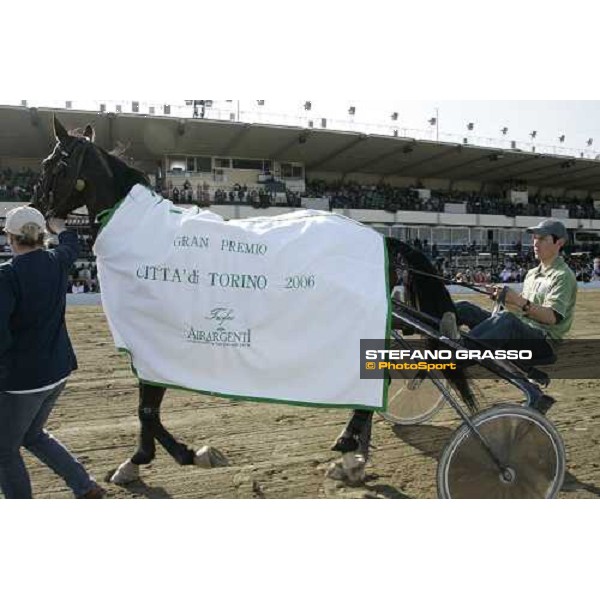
529, 447
413, 401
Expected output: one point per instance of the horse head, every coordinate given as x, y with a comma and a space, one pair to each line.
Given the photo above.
79, 173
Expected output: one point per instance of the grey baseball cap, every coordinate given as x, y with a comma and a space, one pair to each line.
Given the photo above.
550, 227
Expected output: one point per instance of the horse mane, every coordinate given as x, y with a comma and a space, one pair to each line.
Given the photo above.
126, 175
125, 172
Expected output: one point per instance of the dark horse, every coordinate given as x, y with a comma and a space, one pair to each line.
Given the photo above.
79, 173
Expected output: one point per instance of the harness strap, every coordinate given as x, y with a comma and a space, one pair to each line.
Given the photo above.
450, 281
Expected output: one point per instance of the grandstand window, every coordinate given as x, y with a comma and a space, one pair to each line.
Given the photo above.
587, 236
441, 236
203, 164
176, 165
507, 238
223, 163
479, 236
460, 236
245, 163
420, 233
398, 232
382, 229
191, 164
424, 233
289, 171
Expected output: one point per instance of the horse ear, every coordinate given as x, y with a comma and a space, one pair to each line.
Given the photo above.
60, 133
89, 132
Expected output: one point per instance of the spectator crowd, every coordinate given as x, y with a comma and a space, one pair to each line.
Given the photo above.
83, 279
509, 267
237, 194
17, 185
386, 197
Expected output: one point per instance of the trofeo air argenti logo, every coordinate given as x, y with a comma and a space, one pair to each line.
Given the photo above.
220, 315
219, 334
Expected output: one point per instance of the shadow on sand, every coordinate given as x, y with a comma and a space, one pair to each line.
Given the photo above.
572, 484
429, 439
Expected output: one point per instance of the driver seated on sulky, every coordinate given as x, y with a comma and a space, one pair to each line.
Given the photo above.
543, 313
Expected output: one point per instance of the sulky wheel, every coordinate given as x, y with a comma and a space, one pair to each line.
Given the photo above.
525, 443
412, 401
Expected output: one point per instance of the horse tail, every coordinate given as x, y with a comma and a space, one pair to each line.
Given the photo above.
430, 296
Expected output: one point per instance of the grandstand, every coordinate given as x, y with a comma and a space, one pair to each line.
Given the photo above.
467, 206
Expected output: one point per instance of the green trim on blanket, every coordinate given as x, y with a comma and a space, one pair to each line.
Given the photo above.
251, 398
388, 326
106, 215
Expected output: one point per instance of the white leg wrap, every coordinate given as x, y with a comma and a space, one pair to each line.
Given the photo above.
350, 469
126, 473
210, 458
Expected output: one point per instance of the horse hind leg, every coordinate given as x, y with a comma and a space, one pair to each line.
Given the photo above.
348, 440
354, 444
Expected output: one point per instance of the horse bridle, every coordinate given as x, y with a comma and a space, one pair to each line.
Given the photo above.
78, 152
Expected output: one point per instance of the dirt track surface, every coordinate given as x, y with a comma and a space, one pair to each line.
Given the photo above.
278, 451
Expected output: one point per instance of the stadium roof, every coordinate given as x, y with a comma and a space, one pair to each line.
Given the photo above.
26, 133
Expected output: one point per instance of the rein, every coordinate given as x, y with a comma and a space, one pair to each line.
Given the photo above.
470, 286
500, 300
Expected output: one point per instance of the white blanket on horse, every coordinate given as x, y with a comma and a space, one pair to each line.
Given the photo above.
264, 308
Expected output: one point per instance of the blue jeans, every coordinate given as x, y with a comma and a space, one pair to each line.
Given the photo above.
22, 418
470, 314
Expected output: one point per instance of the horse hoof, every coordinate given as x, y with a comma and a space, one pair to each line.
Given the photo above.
126, 473
210, 458
350, 469
335, 471
354, 466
